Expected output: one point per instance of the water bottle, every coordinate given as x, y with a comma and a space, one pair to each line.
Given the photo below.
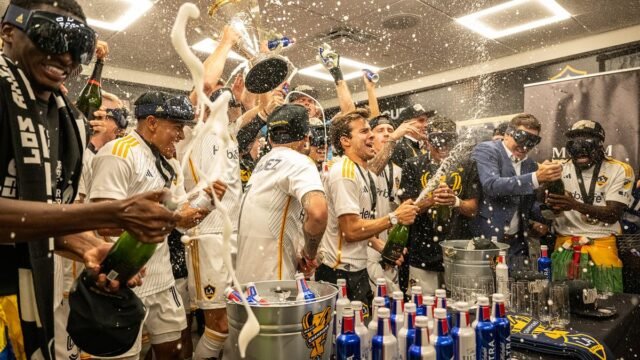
348, 343
441, 303
236, 298
544, 263
416, 297
284, 41
502, 328
485, 331
407, 334
479, 300
304, 293
422, 349
378, 303
464, 338
252, 292
384, 345
381, 290
361, 330
443, 342
397, 312
502, 275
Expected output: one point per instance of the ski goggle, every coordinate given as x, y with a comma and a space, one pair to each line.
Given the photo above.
524, 139
232, 102
582, 146
442, 139
120, 116
54, 33
178, 108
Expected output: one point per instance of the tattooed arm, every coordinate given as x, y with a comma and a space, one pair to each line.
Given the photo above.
314, 204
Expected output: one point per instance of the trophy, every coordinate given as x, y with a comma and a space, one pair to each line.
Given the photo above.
266, 71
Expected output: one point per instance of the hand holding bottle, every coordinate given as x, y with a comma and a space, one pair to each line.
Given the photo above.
102, 50
92, 260
443, 195
406, 212
548, 171
145, 217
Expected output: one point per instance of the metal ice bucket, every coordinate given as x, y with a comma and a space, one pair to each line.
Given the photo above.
472, 263
287, 331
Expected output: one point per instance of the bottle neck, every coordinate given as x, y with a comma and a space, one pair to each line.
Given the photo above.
384, 326
422, 339
443, 327
96, 76
302, 285
347, 324
484, 313
544, 253
397, 307
430, 309
381, 291
342, 294
498, 310
409, 320
441, 303
417, 299
463, 319
359, 318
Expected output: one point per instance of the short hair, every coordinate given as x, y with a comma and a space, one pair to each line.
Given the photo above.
501, 129
341, 126
112, 97
527, 120
70, 6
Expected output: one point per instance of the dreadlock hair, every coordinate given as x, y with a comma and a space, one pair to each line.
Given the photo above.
70, 6
341, 126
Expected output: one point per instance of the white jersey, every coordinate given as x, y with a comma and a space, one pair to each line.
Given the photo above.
126, 167
614, 183
205, 148
349, 192
388, 184
271, 217
87, 171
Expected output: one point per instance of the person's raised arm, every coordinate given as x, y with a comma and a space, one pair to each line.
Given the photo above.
331, 61
374, 108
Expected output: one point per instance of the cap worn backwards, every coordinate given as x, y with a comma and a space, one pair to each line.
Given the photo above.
288, 123
165, 106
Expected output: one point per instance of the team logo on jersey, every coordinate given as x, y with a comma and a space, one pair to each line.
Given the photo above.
602, 180
314, 331
209, 292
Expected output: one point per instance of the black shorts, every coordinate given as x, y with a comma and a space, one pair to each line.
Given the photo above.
358, 287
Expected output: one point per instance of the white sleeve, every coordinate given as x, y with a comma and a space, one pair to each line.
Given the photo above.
621, 187
111, 177
345, 195
303, 179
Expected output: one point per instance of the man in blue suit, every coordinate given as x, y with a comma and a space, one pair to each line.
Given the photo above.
509, 180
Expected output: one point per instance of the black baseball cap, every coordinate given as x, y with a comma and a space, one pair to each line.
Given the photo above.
306, 90
381, 119
288, 123
413, 112
100, 323
165, 106
441, 124
586, 127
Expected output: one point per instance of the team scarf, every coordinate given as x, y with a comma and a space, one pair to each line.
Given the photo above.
31, 143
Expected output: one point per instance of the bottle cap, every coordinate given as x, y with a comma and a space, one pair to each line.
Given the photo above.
422, 321
251, 284
378, 300
502, 253
410, 307
347, 312
381, 281
299, 276
462, 306
383, 313
356, 305
397, 295
341, 282
416, 290
498, 298
483, 300
544, 247
428, 300
441, 293
440, 313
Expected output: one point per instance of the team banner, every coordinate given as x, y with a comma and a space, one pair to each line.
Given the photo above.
611, 98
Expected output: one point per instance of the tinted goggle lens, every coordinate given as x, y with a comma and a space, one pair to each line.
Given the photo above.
56, 34
525, 139
581, 147
442, 139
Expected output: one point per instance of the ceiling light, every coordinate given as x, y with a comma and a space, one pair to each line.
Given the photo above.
474, 22
136, 9
353, 70
208, 45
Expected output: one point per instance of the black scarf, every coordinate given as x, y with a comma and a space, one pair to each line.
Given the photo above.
39, 178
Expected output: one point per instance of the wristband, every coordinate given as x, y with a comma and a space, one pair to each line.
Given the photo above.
458, 202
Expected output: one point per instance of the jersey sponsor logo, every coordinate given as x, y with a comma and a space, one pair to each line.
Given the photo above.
367, 214
314, 331
209, 292
598, 198
602, 180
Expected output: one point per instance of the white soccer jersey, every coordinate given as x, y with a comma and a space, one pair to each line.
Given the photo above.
388, 200
205, 149
349, 192
614, 183
126, 167
271, 215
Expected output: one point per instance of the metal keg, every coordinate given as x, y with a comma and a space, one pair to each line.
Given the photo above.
289, 330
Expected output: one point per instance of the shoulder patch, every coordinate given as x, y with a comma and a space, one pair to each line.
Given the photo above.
121, 147
348, 169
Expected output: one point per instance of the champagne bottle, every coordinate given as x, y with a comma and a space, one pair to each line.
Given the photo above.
126, 258
441, 214
90, 98
556, 187
396, 242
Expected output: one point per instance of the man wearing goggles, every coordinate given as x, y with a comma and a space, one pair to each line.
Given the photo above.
318, 145
44, 42
509, 179
597, 190
458, 192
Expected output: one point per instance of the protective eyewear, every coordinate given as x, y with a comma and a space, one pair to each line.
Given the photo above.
524, 139
120, 116
232, 102
442, 139
176, 108
54, 33
582, 146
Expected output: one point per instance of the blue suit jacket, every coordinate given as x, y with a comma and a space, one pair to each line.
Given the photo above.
503, 192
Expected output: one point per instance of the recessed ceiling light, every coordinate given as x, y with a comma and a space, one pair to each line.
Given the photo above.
208, 45
475, 23
353, 66
136, 9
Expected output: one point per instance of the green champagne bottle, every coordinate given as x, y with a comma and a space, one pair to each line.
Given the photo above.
556, 187
90, 98
126, 258
441, 214
396, 242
